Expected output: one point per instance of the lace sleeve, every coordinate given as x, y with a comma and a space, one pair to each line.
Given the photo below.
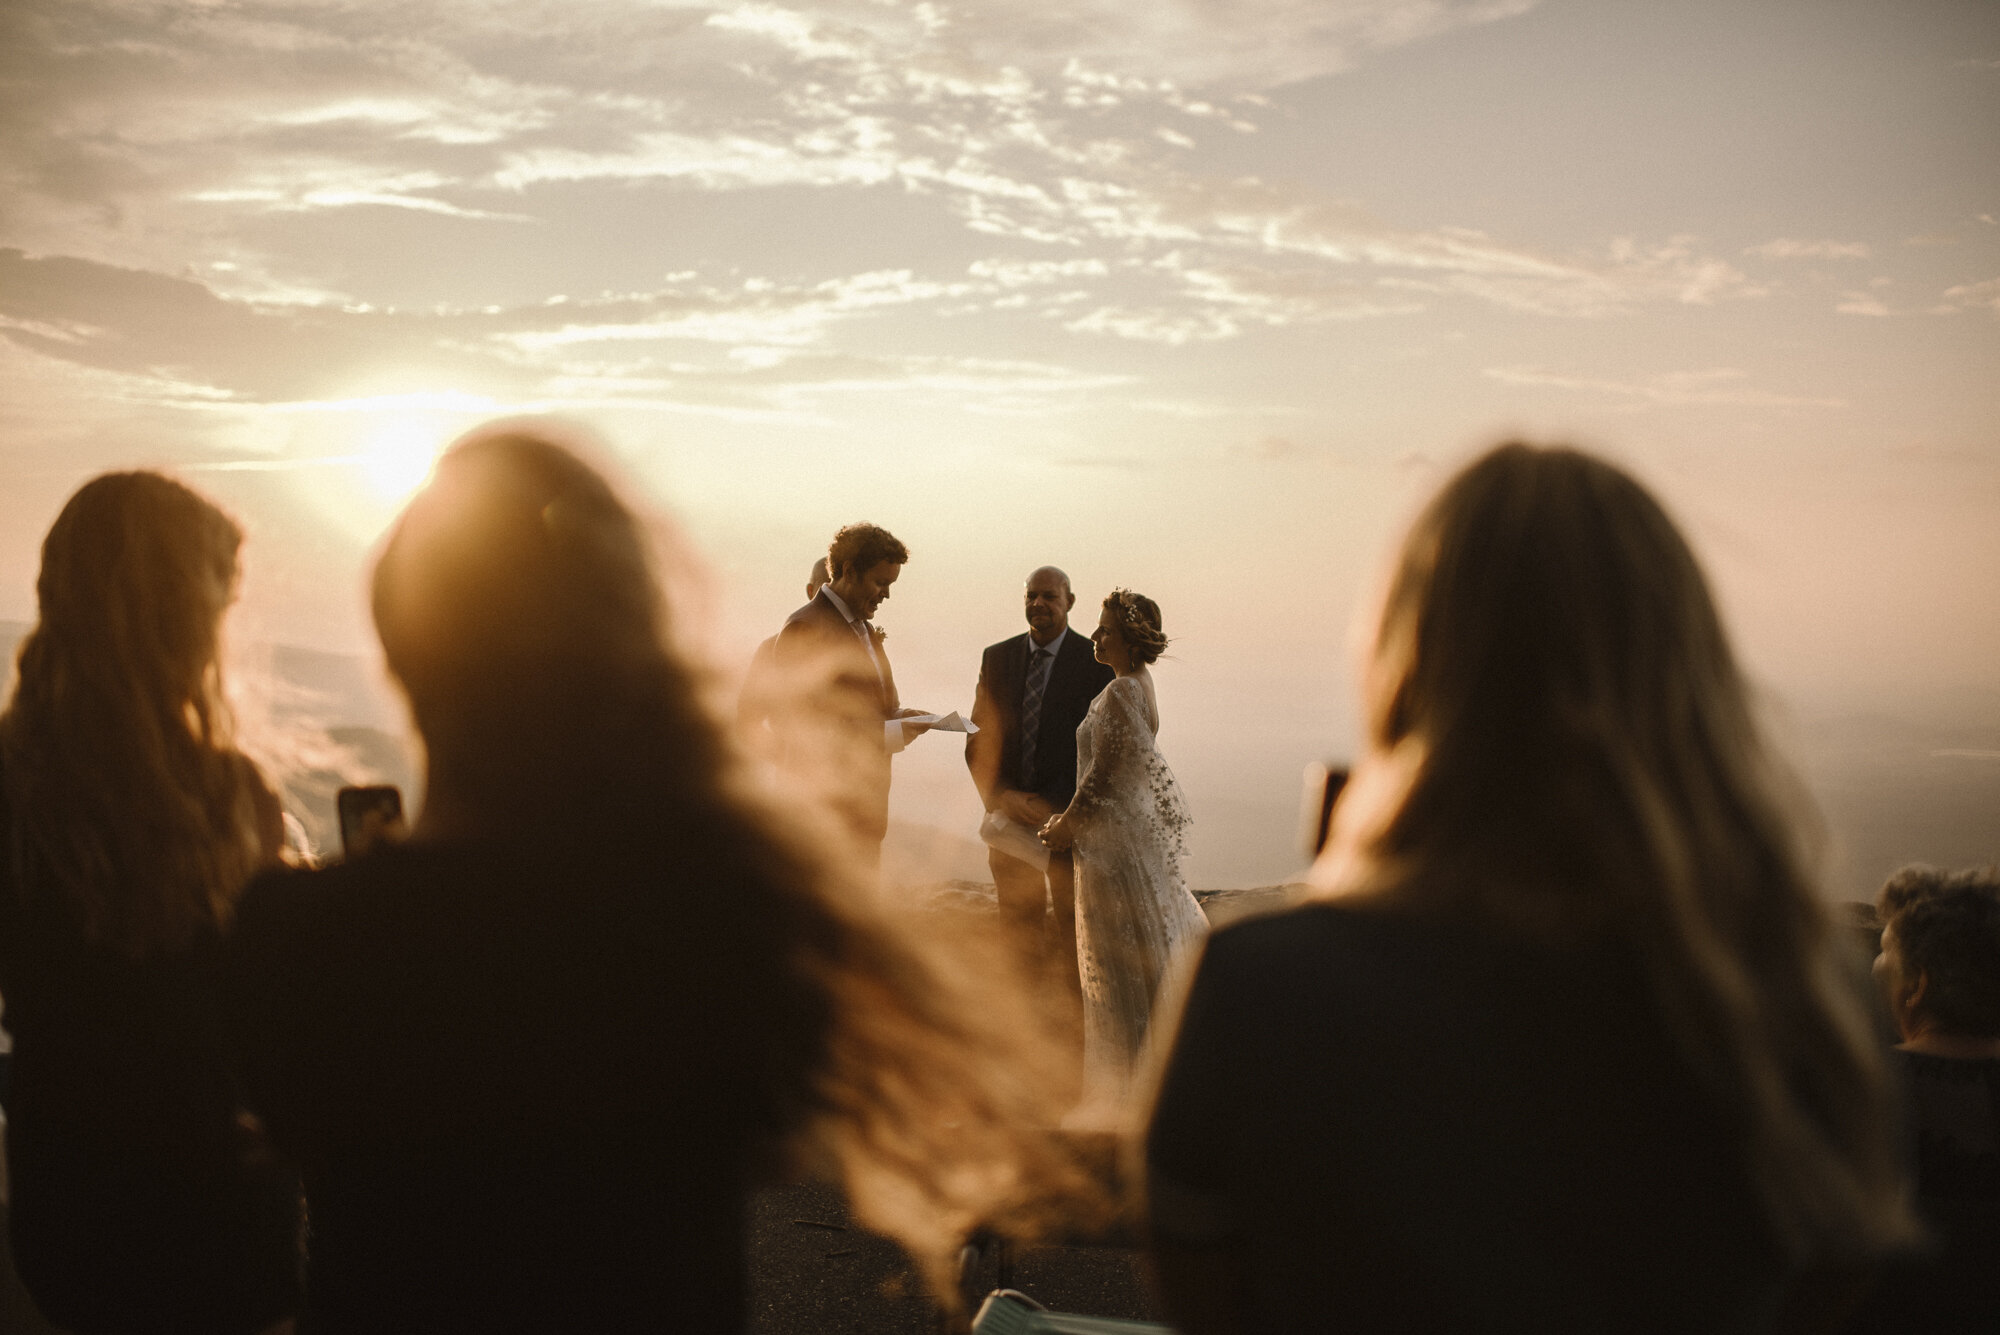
1119, 737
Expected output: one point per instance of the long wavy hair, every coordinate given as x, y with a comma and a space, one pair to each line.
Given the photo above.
132, 809
519, 607
1562, 745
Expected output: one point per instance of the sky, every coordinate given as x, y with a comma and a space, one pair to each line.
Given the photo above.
1201, 297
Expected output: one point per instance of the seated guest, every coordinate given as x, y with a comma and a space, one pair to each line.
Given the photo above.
1940, 974
531, 1060
1563, 1044
141, 1199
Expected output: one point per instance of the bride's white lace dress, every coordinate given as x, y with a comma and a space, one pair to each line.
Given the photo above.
1136, 922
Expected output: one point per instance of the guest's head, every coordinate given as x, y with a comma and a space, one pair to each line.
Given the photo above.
1562, 745
1940, 961
1128, 631
862, 562
1905, 885
815, 577
518, 608
118, 754
1048, 601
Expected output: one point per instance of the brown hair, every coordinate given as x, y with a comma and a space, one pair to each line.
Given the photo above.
1948, 929
1563, 746
132, 808
518, 605
1139, 624
1905, 885
862, 547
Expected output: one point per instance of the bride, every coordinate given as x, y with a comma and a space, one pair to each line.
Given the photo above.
1135, 920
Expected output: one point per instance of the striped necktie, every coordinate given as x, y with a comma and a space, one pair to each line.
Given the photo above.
1031, 710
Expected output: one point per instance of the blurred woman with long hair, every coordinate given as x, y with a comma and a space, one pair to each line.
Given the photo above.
532, 1060
1567, 1041
140, 1198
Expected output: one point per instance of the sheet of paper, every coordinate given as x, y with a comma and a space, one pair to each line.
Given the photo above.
951, 722
1014, 839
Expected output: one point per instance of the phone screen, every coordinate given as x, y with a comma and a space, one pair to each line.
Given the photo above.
366, 815
1322, 789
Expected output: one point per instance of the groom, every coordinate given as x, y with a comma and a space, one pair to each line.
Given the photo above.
1033, 692
844, 719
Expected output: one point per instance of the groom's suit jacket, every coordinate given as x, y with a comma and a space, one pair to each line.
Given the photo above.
993, 754
839, 700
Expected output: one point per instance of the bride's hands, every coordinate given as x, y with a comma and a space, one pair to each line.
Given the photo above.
1056, 834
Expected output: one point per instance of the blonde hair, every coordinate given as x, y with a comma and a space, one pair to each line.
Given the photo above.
131, 807
1562, 745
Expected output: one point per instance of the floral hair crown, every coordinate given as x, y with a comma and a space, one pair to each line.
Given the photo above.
1132, 615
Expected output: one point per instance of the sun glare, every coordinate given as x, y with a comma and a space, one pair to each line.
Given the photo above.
399, 454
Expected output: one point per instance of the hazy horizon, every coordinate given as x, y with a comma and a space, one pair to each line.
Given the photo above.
1889, 791
1201, 297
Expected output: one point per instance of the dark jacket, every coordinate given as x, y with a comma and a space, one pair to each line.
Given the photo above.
141, 1200
525, 1084
833, 703
993, 754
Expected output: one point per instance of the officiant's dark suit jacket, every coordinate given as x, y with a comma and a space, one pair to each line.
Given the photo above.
993, 754
838, 703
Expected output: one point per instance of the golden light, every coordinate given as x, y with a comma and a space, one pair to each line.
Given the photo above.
399, 452
357, 461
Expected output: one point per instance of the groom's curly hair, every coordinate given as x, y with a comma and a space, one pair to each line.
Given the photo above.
863, 547
1139, 622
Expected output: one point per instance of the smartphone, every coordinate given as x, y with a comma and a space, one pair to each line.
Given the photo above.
1321, 790
368, 814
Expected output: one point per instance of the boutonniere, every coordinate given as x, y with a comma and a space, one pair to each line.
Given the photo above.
879, 634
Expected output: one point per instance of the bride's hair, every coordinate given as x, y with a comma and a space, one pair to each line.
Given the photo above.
129, 798
518, 605
1562, 745
1139, 622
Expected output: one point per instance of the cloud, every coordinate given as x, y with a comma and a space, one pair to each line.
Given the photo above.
1260, 43
1971, 296
1721, 385
194, 343
750, 344
1786, 248
1861, 303
1070, 127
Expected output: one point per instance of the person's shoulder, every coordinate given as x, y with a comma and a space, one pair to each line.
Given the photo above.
1130, 688
280, 895
1017, 644
1929, 1068
1317, 937
813, 611
817, 621
286, 899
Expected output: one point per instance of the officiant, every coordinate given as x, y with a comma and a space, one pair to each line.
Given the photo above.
1034, 690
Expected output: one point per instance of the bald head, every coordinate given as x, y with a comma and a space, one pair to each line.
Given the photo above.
815, 579
1048, 600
